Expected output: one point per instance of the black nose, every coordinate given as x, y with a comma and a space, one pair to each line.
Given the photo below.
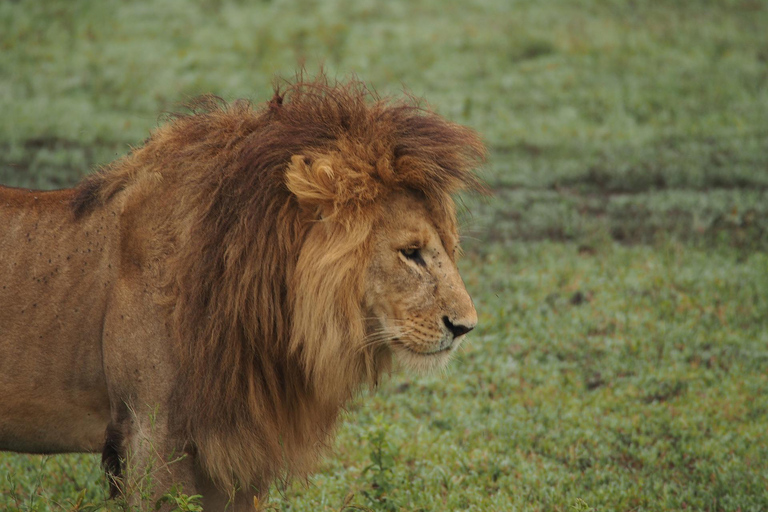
456, 329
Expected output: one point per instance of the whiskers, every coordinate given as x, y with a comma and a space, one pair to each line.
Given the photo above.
383, 337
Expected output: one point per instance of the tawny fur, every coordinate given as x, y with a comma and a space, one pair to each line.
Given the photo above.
264, 309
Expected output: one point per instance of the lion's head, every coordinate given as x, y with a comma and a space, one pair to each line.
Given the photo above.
414, 296
306, 242
409, 299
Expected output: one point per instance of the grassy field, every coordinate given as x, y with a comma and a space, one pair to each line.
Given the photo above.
620, 270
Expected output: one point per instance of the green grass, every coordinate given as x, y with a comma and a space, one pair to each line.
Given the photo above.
620, 270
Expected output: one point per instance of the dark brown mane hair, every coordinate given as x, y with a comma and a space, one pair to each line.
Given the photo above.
264, 308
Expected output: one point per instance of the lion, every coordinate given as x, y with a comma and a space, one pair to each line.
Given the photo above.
219, 294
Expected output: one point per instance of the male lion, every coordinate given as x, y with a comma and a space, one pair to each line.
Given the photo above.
218, 295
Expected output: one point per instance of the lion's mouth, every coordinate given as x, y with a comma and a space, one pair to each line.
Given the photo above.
425, 354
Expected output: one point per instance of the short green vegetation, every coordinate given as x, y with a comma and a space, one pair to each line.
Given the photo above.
620, 270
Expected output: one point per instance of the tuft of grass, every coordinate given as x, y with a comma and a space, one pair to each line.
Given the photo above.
380, 473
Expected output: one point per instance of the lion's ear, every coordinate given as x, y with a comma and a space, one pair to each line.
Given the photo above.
313, 183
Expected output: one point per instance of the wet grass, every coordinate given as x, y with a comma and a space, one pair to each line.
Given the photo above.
619, 270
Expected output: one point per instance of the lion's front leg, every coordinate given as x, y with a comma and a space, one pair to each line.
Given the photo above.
215, 499
157, 467
147, 453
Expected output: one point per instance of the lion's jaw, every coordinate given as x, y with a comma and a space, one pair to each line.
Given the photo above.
415, 299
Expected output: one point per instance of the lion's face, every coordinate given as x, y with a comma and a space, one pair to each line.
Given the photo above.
415, 299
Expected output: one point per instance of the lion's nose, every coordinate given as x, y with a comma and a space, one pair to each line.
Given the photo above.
457, 329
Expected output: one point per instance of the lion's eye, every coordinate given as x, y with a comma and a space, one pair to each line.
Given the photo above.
413, 254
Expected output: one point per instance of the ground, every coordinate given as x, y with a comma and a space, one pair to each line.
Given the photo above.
619, 270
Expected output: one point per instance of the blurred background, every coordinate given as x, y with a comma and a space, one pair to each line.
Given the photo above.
619, 269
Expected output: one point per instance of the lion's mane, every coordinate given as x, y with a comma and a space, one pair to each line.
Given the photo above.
264, 305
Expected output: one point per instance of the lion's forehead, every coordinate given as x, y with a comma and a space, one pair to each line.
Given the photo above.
412, 221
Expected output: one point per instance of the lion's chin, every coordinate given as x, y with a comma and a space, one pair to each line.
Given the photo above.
422, 362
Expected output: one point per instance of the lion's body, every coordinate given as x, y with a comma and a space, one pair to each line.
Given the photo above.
223, 290
54, 298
